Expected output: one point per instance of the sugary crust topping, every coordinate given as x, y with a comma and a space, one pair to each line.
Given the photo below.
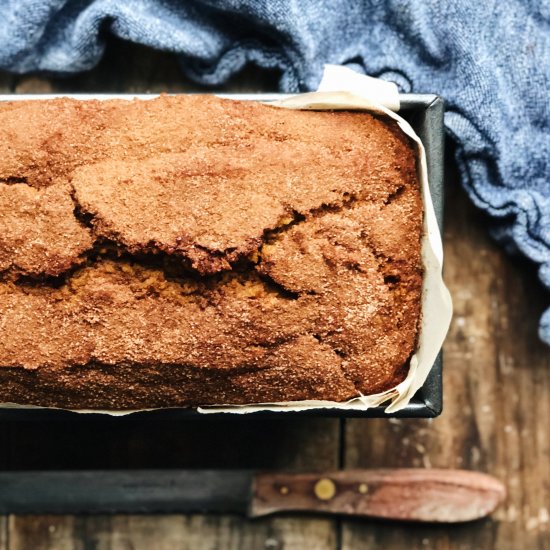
268, 254
39, 234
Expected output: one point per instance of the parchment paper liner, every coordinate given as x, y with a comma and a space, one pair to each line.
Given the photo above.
436, 300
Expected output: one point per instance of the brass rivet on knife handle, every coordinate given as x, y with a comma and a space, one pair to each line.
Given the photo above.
414, 494
284, 490
324, 489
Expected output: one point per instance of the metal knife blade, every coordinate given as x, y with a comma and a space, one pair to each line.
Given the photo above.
128, 491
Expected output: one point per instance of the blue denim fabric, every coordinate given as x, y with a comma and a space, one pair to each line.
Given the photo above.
489, 59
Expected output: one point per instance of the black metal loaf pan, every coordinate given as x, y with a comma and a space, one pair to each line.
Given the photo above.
425, 114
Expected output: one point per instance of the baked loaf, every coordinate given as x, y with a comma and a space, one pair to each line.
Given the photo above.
187, 251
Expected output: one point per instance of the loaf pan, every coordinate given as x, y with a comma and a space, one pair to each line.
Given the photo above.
425, 114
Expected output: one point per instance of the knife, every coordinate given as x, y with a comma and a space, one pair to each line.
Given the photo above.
429, 495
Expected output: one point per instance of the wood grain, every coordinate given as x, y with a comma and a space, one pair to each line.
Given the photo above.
496, 400
410, 494
3, 533
169, 532
6, 83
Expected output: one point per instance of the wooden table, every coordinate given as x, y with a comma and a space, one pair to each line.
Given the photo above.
496, 404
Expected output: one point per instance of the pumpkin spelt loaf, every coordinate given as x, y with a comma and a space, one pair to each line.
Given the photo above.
192, 250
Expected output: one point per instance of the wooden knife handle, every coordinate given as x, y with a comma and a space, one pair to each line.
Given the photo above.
430, 495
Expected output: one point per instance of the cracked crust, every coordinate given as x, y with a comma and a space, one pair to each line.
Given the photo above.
39, 234
189, 250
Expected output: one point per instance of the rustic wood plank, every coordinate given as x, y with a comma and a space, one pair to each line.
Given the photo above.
230, 532
496, 401
6, 83
42, 532
33, 85
169, 532
3, 533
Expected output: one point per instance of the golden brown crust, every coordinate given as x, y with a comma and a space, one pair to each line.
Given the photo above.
205, 251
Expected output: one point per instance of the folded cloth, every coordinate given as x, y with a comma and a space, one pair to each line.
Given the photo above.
489, 60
